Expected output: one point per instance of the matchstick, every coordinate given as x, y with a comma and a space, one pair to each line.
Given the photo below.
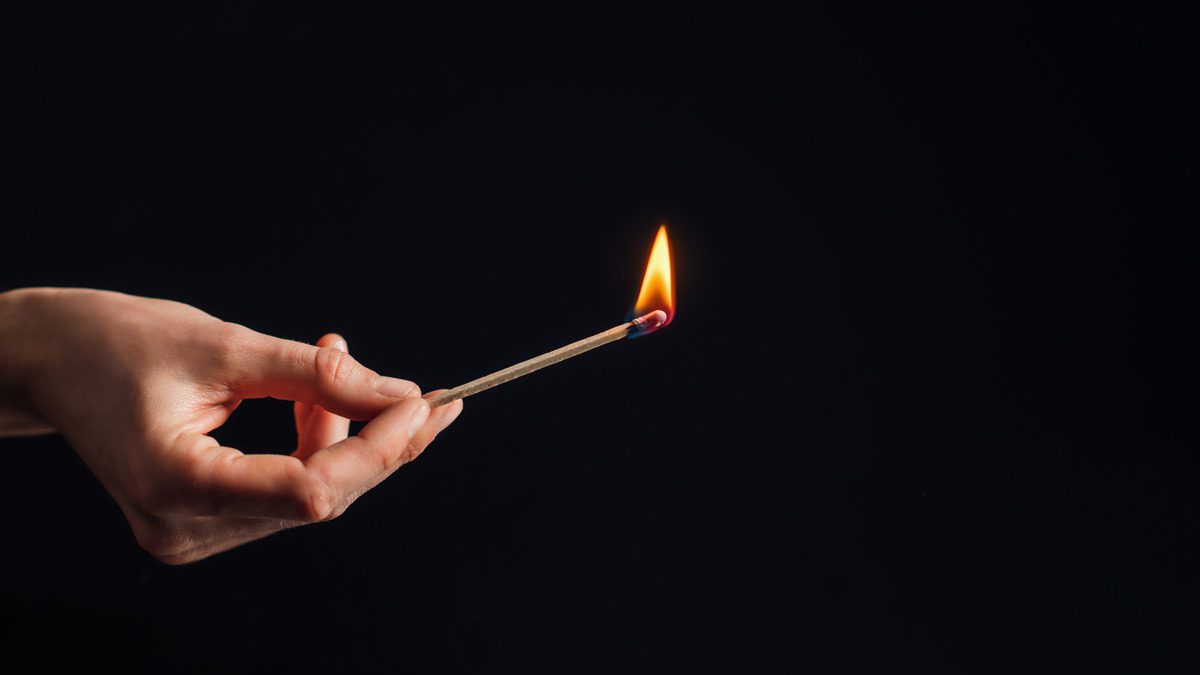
642, 324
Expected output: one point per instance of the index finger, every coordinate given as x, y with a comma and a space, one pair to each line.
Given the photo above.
328, 377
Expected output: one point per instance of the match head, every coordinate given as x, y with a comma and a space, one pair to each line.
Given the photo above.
648, 323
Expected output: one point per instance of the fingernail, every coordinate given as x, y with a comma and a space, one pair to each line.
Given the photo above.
340, 345
396, 388
419, 416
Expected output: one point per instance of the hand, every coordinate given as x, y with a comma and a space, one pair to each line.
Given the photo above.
136, 384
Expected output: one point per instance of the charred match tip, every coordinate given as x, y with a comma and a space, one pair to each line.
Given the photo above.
650, 322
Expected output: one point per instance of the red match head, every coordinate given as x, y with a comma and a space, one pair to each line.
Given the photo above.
648, 323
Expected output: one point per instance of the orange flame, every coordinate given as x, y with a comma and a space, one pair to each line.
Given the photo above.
657, 291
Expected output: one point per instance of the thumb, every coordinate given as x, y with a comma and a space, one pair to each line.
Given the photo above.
328, 377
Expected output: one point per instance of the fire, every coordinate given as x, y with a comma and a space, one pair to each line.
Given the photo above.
657, 291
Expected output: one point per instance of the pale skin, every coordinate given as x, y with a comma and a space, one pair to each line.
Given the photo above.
136, 385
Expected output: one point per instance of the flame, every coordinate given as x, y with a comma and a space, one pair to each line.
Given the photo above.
657, 290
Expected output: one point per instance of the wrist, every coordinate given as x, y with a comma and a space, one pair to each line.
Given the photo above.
21, 346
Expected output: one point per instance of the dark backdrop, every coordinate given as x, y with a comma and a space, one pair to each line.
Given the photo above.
928, 403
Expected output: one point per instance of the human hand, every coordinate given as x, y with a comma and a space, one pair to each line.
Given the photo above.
137, 384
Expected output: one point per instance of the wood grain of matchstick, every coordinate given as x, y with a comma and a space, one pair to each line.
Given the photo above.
645, 323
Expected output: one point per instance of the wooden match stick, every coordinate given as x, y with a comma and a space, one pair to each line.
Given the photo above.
642, 324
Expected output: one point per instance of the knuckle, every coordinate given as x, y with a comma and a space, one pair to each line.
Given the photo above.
316, 502
230, 337
407, 454
387, 460
412, 452
335, 368
229, 344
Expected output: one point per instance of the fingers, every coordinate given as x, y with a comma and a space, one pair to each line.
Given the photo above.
316, 427
394, 438
262, 365
221, 498
213, 480
360, 462
439, 419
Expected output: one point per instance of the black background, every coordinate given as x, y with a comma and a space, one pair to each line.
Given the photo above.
928, 404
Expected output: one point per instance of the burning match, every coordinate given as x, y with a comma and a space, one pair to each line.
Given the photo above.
655, 308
